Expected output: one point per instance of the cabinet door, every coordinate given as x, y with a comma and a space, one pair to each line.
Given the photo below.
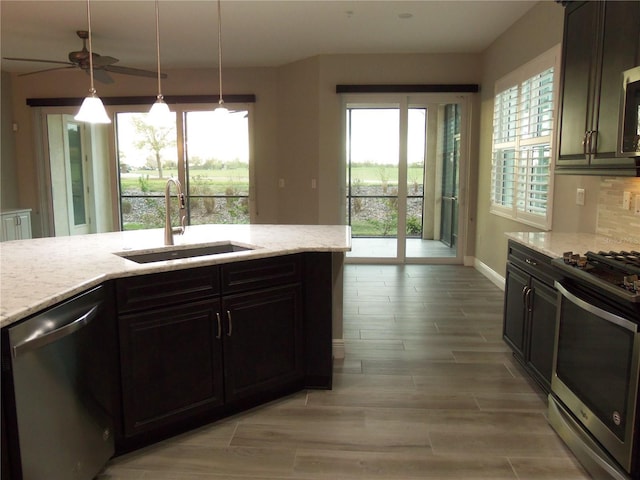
23, 226
619, 46
9, 229
578, 67
517, 284
171, 363
542, 331
262, 342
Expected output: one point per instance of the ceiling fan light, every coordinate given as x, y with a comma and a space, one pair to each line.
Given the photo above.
92, 110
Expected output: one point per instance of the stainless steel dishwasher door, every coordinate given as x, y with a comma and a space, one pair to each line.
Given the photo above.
64, 429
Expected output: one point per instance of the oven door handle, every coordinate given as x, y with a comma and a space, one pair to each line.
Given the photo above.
585, 305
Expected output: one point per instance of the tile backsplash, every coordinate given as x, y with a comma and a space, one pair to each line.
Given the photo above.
613, 220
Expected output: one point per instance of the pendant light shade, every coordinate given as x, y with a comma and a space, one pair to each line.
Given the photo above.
220, 110
92, 109
159, 109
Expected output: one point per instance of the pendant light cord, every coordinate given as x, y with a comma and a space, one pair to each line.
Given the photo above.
160, 96
220, 101
92, 90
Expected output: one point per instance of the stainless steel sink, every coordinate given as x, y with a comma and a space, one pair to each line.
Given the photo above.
174, 254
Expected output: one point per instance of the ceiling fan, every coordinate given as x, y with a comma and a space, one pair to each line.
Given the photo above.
102, 64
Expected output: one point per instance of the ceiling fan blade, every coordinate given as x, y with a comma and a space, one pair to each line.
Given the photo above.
101, 76
36, 60
45, 70
133, 71
103, 60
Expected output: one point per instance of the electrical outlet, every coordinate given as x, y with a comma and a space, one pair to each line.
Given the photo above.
626, 200
580, 196
636, 208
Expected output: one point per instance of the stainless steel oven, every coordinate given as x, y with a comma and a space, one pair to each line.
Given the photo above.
593, 403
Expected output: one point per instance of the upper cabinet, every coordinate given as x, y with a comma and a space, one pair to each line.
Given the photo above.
601, 40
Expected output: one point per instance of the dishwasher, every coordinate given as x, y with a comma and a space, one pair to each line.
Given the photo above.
62, 379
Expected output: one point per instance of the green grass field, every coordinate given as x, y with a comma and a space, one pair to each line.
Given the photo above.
217, 181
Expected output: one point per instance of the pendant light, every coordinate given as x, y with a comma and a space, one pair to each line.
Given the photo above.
220, 110
92, 110
159, 109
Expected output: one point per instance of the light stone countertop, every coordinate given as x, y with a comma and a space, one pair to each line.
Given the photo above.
38, 273
555, 244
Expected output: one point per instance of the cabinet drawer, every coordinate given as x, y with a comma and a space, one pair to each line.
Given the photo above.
532, 262
262, 273
166, 288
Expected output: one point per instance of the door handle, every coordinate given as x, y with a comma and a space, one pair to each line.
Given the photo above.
46, 338
230, 331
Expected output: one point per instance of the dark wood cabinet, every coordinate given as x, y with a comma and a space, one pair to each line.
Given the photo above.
515, 310
530, 311
263, 327
171, 364
198, 344
601, 40
542, 329
262, 342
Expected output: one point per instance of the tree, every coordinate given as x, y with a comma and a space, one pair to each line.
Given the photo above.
155, 138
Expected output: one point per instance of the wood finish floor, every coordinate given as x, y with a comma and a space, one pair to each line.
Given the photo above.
428, 390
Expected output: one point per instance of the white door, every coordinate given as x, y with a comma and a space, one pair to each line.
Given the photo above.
70, 176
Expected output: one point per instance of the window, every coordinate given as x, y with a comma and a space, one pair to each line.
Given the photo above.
522, 147
209, 155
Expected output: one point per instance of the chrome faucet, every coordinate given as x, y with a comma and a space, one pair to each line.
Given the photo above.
168, 229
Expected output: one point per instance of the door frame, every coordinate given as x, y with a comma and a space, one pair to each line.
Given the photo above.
409, 101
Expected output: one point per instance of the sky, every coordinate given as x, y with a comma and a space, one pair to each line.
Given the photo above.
208, 136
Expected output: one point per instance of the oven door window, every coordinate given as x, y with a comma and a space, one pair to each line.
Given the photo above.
594, 359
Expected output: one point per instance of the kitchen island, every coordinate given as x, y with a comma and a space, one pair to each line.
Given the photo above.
230, 317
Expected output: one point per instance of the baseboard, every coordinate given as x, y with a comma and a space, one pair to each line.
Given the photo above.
338, 348
495, 278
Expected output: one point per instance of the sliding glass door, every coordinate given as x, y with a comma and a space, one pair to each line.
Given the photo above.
403, 163
209, 155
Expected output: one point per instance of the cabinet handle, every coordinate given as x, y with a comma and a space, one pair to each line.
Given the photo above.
524, 294
584, 143
593, 140
230, 324
531, 262
219, 335
527, 299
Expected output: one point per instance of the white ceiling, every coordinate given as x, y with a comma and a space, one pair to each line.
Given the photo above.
254, 32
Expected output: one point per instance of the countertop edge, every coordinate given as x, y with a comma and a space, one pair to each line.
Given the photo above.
27, 289
554, 244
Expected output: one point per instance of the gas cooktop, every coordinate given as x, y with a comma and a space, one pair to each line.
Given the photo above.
615, 272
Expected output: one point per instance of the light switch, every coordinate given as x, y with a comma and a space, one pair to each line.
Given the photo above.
580, 196
626, 200
281, 182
